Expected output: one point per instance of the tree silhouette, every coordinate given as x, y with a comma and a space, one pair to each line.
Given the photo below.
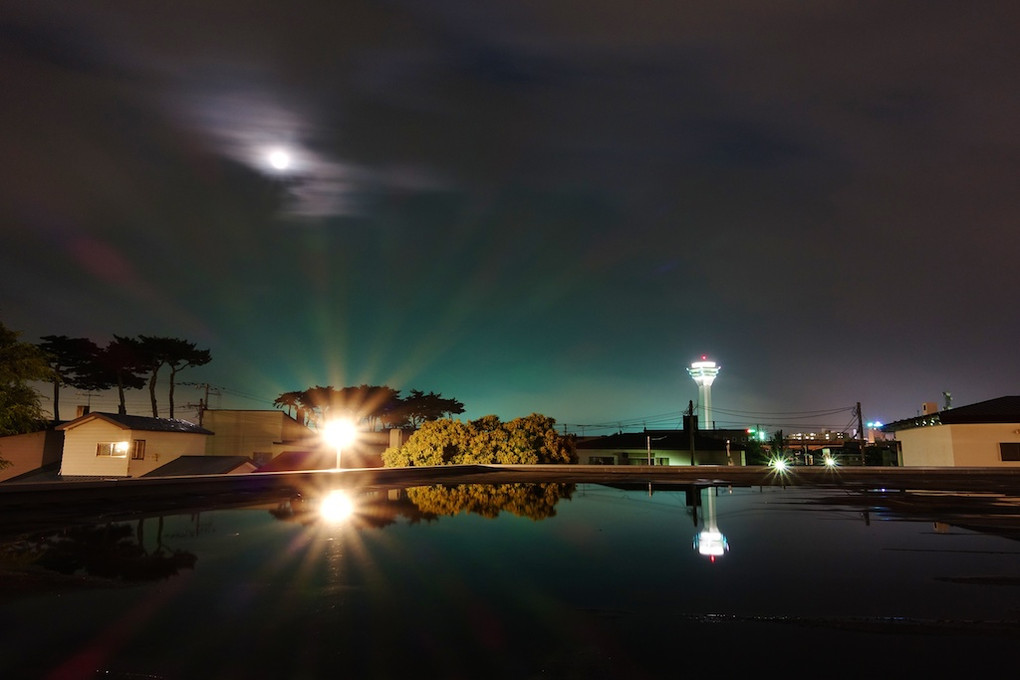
292, 400
159, 351
72, 361
120, 363
374, 405
181, 355
418, 408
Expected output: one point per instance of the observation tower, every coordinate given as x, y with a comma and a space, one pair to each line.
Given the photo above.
704, 373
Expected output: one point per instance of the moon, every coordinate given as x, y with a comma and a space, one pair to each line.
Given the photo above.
279, 159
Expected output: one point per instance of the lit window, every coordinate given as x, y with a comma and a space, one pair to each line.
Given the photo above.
112, 449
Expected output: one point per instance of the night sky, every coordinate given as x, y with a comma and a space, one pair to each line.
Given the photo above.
530, 206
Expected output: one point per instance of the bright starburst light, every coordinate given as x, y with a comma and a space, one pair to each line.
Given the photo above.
336, 507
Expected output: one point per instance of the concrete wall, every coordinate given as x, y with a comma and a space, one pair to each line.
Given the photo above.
28, 452
80, 446
926, 446
957, 445
978, 445
250, 433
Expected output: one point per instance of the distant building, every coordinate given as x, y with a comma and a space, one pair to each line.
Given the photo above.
29, 452
665, 447
258, 434
985, 434
116, 445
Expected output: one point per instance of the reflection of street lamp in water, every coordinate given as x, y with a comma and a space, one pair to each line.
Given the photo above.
336, 507
338, 434
710, 541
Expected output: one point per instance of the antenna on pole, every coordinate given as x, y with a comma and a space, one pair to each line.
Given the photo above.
88, 404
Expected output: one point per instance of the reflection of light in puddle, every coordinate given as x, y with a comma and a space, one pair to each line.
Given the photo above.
336, 507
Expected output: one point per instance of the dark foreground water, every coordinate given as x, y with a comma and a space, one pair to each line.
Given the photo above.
525, 581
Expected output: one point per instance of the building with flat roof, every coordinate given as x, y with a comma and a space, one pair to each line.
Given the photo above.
985, 434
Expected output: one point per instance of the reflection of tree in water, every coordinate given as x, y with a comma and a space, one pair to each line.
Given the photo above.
112, 551
379, 509
536, 501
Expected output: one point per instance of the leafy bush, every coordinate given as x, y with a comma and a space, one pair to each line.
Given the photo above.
528, 441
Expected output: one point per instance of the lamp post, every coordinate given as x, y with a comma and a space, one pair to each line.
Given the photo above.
338, 434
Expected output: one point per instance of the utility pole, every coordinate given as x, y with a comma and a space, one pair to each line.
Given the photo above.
649, 441
860, 433
203, 404
690, 431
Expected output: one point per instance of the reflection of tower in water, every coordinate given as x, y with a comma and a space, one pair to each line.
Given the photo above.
710, 541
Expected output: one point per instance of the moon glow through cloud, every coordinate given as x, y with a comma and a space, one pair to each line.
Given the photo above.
279, 159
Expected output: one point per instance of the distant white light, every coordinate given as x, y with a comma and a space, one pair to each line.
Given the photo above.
279, 159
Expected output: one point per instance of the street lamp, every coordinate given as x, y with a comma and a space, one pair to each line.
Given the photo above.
338, 434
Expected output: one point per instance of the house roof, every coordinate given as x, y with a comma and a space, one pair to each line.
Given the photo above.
46, 473
200, 465
999, 410
143, 423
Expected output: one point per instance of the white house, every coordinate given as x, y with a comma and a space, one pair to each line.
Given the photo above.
985, 434
114, 445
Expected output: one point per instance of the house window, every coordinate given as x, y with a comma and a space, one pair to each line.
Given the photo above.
112, 449
138, 450
1009, 451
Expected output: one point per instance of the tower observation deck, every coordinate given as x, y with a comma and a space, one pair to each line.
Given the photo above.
704, 373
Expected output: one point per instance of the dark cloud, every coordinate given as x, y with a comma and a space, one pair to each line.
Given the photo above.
529, 205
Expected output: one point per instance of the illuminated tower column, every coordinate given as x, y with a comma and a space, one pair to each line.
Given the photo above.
704, 373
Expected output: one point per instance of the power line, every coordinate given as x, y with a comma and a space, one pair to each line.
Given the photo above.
820, 412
